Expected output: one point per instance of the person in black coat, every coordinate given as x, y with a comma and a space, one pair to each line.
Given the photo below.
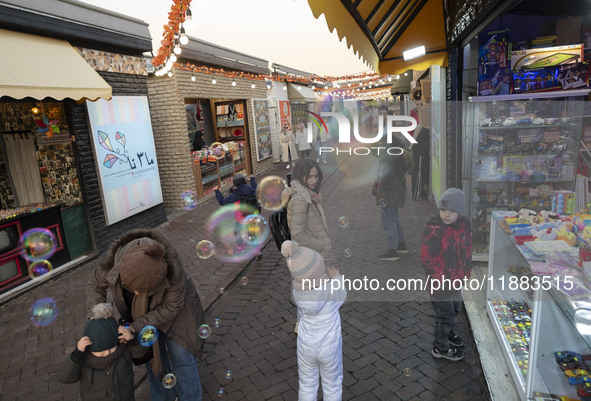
198, 142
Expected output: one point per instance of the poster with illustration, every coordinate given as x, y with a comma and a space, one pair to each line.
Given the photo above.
123, 144
494, 72
285, 113
262, 129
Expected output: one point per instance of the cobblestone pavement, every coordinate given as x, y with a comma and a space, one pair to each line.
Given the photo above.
387, 335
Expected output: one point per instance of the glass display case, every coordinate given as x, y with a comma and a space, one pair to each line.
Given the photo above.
518, 150
214, 171
534, 317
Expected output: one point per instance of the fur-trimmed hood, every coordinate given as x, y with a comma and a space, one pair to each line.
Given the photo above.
174, 308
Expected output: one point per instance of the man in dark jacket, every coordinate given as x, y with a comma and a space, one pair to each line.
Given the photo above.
390, 192
150, 288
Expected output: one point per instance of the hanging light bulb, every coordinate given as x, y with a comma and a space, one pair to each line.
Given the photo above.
213, 81
173, 58
389, 78
299, 87
269, 85
253, 85
233, 83
338, 85
369, 86
193, 78
170, 73
177, 47
349, 83
184, 39
284, 87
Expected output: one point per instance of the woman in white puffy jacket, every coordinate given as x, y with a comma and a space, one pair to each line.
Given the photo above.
318, 292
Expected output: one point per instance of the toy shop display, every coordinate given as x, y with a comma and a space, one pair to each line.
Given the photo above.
548, 79
494, 73
521, 153
539, 299
215, 166
546, 57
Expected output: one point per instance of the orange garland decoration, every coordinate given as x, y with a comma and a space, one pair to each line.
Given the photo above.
177, 16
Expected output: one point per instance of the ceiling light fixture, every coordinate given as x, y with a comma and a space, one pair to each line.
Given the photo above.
413, 53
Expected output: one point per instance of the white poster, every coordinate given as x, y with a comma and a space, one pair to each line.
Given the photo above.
125, 155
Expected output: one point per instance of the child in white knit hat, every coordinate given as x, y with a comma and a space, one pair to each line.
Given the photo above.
318, 293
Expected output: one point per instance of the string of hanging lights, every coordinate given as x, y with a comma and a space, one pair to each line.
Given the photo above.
174, 36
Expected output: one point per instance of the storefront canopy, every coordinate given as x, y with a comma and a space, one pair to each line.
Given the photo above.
40, 67
304, 94
380, 30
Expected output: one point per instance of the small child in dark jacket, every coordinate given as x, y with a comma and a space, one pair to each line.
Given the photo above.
240, 190
446, 254
100, 363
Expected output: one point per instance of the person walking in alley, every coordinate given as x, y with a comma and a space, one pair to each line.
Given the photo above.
288, 145
320, 341
302, 143
240, 192
144, 274
446, 253
390, 192
101, 361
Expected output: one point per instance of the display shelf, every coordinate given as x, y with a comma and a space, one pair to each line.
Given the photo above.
502, 160
231, 129
552, 321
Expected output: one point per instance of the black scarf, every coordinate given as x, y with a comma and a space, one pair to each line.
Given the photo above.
103, 362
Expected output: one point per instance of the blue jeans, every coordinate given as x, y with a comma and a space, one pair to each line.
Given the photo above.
238, 233
447, 306
184, 367
392, 226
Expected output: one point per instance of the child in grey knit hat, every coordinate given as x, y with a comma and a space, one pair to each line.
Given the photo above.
446, 255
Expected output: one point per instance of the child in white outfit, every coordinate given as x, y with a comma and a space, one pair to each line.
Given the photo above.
318, 292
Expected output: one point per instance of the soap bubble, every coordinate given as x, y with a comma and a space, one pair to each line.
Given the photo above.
343, 222
221, 392
148, 336
204, 331
348, 253
43, 312
188, 200
37, 243
39, 268
383, 202
269, 192
407, 372
255, 229
168, 380
217, 322
220, 231
229, 374
244, 281
221, 290
205, 249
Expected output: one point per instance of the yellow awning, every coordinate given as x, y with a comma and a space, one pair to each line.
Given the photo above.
380, 30
40, 67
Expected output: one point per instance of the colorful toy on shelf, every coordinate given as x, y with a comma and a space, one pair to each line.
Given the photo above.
547, 234
563, 202
562, 233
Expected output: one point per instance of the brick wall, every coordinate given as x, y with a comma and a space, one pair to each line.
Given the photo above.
167, 108
123, 85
